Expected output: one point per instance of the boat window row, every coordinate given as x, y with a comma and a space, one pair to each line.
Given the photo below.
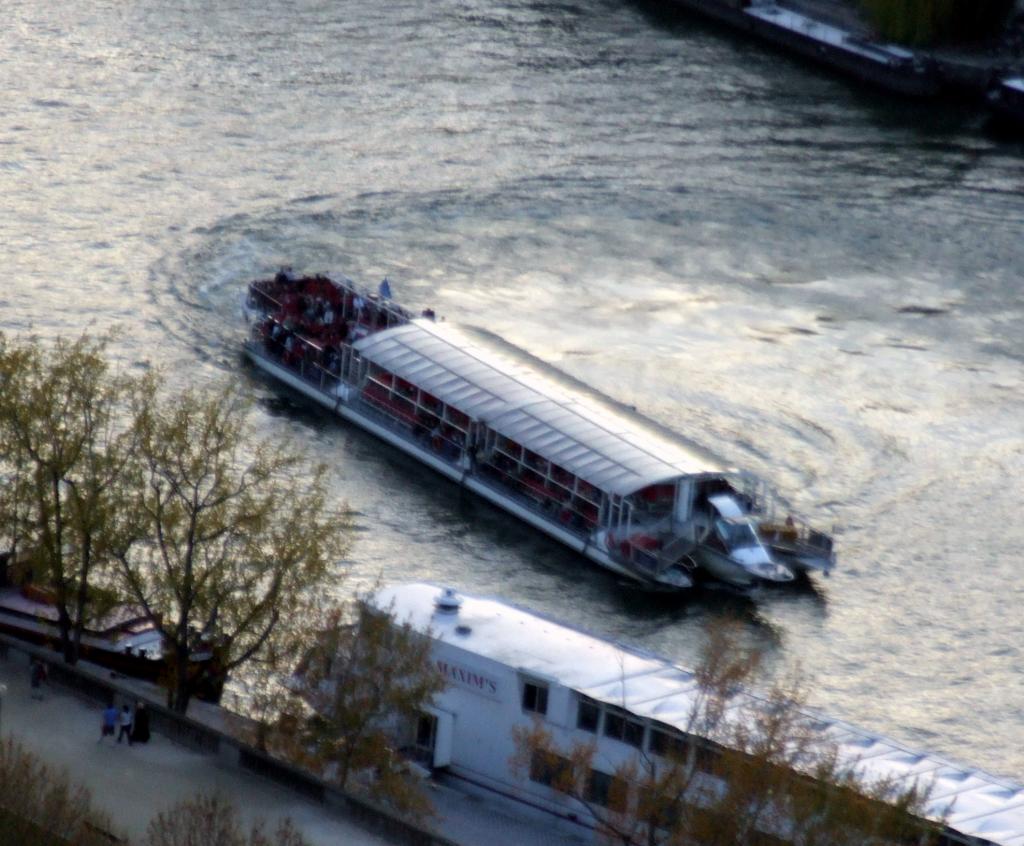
417, 413
541, 484
657, 738
614, 793
619, 724
600, 788
669, 743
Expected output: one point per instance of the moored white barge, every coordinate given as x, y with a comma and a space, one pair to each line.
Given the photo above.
507, 667
601, 481
890, 66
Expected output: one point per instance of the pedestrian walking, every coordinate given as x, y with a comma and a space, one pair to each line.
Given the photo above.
126, 724
140, 728
109, 722
37, 675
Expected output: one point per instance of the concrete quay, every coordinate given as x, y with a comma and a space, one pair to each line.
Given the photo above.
135, 783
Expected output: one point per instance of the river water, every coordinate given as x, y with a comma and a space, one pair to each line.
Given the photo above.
813, 281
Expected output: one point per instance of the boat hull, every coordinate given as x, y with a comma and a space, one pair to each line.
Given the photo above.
802, 563
725, 569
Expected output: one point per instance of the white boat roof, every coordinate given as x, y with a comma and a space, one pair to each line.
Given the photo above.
973, 802
1016, 83
592, 441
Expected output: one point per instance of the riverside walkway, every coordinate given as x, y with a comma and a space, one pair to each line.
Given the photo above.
135, 783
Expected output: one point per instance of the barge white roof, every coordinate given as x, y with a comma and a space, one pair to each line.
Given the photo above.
973, 802
591, 441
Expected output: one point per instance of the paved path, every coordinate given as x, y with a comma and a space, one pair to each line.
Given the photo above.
133, 784
485, 820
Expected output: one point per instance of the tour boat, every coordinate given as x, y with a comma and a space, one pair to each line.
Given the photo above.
602, 481
508, 668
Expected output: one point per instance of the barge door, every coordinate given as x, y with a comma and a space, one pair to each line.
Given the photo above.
434, 737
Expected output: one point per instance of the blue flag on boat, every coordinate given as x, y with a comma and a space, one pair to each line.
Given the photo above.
385, 289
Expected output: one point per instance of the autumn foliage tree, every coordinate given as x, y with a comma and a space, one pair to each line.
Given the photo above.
736, 769
366, 681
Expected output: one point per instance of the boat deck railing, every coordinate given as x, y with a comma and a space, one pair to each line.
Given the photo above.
263, 295
311, 372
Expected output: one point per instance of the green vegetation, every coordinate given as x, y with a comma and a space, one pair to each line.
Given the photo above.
64, 456
931, 22
116, 492
761, 776
227, 541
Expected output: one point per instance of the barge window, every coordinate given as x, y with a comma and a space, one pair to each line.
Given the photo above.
620, 725
668, 744
705, 757
588, 715
535, 697
607, 791
761, 838
678, 747
551, 770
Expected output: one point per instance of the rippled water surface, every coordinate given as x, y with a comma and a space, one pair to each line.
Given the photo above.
813, 281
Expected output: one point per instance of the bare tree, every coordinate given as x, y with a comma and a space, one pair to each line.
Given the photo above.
229, 540
368, 678
40, 805
212, 820
262, 697
740, 769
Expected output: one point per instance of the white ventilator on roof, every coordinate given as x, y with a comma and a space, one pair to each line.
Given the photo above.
970, 801
594, 442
